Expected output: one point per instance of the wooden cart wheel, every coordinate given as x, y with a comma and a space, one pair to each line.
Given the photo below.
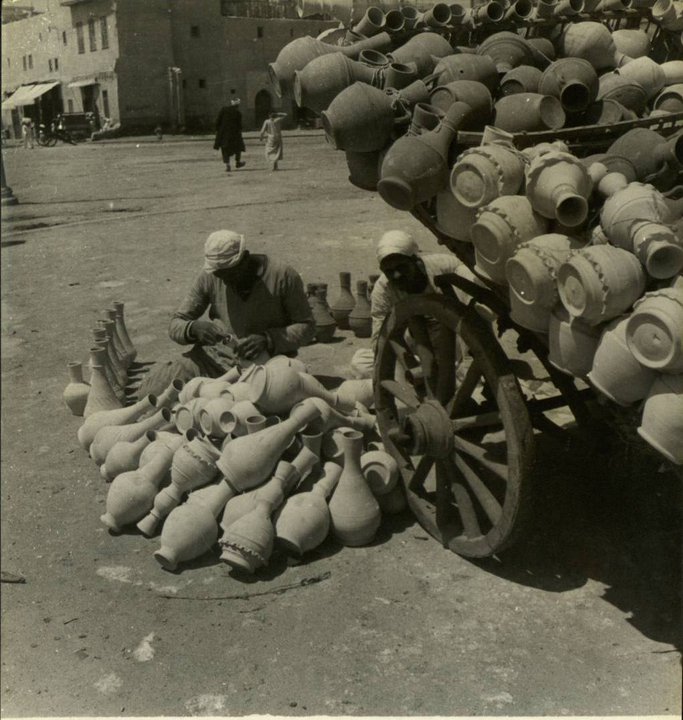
451, 412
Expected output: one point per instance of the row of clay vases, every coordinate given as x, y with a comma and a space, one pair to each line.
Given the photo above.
360, 318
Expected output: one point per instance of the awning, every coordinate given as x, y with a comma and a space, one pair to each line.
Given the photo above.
82, 83
26, 95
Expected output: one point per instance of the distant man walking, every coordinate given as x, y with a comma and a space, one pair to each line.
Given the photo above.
229, 134
271, 131
27, 133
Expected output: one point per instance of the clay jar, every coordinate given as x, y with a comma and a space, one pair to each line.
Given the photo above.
634, 43
614, 86
645, 72
572, 80
454, 219
124, 455
364, 168
649, 152
527, 112
472, 92
423, 49
465, 66
75, 394
662, 421
571, 343
277, 390
101, 397
654, 331
522, 79
325, 325
591, 41
507, 50
399, 75
343, 303
599, 283
248, 543
380, 471
360, 319
485, 173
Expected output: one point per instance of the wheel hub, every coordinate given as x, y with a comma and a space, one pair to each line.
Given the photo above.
427, 431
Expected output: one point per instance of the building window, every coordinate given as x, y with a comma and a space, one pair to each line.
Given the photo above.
56, 63
194, 30
49, 64
104, 32
225, 7
80, 38
259, 31
105, 102
70, 104
92, 37
64, 37
23, 62
30, 62
202, 83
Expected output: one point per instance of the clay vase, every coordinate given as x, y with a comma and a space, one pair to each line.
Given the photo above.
465, 66
191, 529
591, 41
423, 49
328, 418
360, 320
248, 460
394, 21
343, 302
654, 331
124, 455
118, 360
122, 352
488, 12
215, 416
500, 227
191, 389
573, 81
600, 282
234, 421
381, 474
670, 99
325, 326
473, 93
167, 442
75, 394
354, 512
106, 436
528, 112
615, 372
99, 355
193, 465
558, 187
122, 331
571, 343
101, 397
519, 10
169, 397
330, 448
416, 168
507, 50
274, 491
454, 219
662, 421
486, 172
277, 390
303, 522
568, 8
614, 86
187, 416
116, 416
248, 543
522, 79
352, 391
360, 118
317, 85
132, 494
645, 72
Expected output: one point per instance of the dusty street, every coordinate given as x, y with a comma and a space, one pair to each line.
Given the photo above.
581, 618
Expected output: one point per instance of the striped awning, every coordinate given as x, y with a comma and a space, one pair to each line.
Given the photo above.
27, 94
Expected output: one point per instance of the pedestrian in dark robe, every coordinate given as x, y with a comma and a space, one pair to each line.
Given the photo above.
229, 134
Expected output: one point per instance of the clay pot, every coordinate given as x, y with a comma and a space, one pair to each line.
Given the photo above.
123, 331
248, 543
124, 455
394, 21
614, 86
215, 416
101, 397
473, 93
464, 66
371, 23
169, 397
328, 418
558, 187
486, 172
522, 79
591, 41
568, 8
668, 14
599, 283
507, 50
360, 319
500, 227
528, 112
423, 49
425, 117
670, 99
646, 73
571, 343
75, 394
191, 389
573, 81
343, 303
187, 416
354, 512
276, 390
662, 422
673, 72
438, 16
117, 416
452, 217
351, 392
325, 326
380, 471
654, 331
615, 372
234, 421
399, 75
363, 168
416, 168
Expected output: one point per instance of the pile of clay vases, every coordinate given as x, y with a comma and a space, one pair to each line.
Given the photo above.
262, 457
112, 368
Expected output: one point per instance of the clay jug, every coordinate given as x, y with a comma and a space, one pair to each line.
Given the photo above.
360, 320
121, 350
486, 172
276, 390
425, 117
303, 522
423, 49
75, 394
654, 330
615, 372
132, 494
662, 421
117, 416
352, 391
354, 511
274, 492
248, 460
573, 81
381, 473
99, 355
123, 331
599, 283
454, 219
507, 50
399, 75
167, 442
328, 418
169, 397
191, 529
472, 92
500, 227
118, 361
248, 543
311, 440
558, 187
571, 343
465, 66
343, 303
193, 465
522, 79
528, 112
115, 366
215, 416
101, 396
371, 23
614, 86
325, 325
234, 421
416, 168
124, 455
330, 448
591, 41
106, 436
373, 59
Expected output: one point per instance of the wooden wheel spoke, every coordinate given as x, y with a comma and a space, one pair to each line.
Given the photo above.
421, 471
404, 357
468, 514
486, 419
479, 454
465, 389
486, 499
424, 351
445, 384
400, 391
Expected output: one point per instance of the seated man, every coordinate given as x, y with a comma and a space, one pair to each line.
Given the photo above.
405, 271
257, 308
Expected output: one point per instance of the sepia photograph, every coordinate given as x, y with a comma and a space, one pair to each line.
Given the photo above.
342, 358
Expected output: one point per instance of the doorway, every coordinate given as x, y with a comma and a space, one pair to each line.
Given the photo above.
263, 105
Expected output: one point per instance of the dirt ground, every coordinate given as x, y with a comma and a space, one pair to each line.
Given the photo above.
581, 618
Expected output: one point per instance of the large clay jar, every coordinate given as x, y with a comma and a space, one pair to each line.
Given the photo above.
645, 72
122, 330
473, 93
101, 397
423, 49
572, 80
648, 151
277, 390
355, 514
571, 343
212, 389
454, 219
662, 422
631, 42
132, 494
558, 187
670, 99
360, 319
615, 372
522, 79
416, 168
614, 86
325, 326
343, 302
486, 172
248, 543
500, 227
465, 66
600, 282
215, 416
528, 112
591, 41
303, 522
328, 418
654, 331
507, 50
75, 394
191, 529
117, 416
124, 455
380, 471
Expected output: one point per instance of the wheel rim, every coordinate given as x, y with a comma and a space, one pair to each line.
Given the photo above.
452, 414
